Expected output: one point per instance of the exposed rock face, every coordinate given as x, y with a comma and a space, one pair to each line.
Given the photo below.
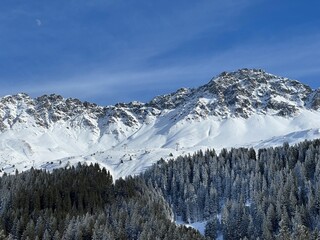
248, 91
241, 94
231, 94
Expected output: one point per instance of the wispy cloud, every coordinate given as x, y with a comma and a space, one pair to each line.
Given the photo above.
294, 56
38, 22
134, 56
123, 60
176, 28
291, 57
114, 87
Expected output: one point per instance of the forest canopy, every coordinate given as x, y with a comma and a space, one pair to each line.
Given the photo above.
242, 194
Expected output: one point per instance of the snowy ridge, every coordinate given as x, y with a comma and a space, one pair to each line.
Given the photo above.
248, 107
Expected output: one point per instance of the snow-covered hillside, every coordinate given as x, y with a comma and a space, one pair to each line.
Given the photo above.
247, 107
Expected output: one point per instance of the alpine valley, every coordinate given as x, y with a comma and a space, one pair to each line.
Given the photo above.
245, 108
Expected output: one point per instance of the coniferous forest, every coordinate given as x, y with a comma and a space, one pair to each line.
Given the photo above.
273, 193
83, 203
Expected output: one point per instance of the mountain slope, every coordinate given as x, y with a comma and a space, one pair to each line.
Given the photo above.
242, 108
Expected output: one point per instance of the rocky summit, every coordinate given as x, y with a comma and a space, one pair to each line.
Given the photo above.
227, 111
231, 94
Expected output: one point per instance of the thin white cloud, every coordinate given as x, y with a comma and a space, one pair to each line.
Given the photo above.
38, 22
292, 58
183, 26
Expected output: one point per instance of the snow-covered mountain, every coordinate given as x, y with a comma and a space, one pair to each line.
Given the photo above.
248, 107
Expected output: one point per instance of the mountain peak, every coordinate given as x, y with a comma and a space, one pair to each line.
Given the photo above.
241, 93
15, 97
243, 71
231, 109
247, 91
247, 77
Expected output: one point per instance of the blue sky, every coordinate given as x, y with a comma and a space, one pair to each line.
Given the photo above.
109, 51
